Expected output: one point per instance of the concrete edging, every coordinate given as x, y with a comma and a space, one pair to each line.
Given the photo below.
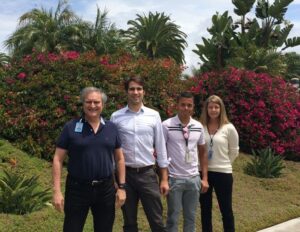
288, 226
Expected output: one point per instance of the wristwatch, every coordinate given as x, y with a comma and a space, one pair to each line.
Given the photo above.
122, 186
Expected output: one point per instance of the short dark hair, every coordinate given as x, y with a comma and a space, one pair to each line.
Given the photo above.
136, 79
184, 95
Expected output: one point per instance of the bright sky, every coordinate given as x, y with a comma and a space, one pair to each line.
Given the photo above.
193, 16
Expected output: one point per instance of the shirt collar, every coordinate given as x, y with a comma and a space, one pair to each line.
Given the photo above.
179, 122
142, 109
102, 121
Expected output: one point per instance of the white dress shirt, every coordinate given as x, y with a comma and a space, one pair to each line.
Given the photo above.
141, 132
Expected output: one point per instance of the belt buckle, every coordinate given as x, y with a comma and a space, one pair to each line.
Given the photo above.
95, 182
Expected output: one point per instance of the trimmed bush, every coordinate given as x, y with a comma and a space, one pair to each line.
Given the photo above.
264, 109
40, 92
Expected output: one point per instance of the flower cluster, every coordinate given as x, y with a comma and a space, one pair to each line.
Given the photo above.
264, 109
39, 93
22, 75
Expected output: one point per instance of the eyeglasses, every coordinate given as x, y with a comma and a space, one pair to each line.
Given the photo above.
91, 102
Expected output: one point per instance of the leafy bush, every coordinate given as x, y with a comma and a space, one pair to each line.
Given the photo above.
40, 92
21, 195
264, 109
265, 164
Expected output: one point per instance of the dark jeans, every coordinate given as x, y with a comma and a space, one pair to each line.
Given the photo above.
222, 184
79, 197
144, 186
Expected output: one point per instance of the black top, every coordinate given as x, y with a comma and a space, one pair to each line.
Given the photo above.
90, 155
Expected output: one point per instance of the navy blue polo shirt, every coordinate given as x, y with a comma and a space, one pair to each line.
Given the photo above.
90, 154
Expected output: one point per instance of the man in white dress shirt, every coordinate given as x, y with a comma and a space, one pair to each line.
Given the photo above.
141, 133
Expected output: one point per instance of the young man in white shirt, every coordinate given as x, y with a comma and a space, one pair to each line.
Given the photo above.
141, 132
185, 147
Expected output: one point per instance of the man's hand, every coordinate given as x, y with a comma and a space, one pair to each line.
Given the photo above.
204, 186
120, 197
58, 201
164, 187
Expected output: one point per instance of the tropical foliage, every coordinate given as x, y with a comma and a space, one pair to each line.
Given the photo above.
292, 59
156, 37
47, 31
20, 194
265, 164
215, 52
264, 109
101, 36
39, 93
4, 59
254, 44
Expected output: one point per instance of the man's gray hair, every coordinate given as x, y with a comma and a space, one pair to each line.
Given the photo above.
88, 90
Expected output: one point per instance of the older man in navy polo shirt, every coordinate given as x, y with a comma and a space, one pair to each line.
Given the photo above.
91, 145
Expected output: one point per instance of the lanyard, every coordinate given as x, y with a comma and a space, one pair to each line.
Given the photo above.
186, 133
211, 143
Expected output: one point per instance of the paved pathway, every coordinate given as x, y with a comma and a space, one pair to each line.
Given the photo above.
289, 226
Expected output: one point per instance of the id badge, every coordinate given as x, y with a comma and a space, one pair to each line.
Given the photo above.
188, 157
210, 153
78, 127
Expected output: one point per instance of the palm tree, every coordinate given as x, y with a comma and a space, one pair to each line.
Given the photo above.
156, 36
44, 30
4, 59
102, 36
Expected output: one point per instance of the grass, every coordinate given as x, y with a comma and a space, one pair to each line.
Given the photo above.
258, 203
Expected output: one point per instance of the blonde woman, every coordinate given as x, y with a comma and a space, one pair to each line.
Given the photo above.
222, 143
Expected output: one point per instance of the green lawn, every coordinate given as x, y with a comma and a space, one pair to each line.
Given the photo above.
258, 203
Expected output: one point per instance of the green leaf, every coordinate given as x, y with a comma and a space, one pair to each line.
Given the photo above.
21, 195
265, 164
292, 42
242, 6
278, 9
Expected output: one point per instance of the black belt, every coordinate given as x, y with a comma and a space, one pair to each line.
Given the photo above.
140, 169
89, 182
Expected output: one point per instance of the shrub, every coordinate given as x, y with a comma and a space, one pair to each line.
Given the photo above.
21, 195
265, 164
264, 109
39, 93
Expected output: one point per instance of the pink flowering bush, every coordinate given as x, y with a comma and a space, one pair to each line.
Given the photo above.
264, 109
39, 93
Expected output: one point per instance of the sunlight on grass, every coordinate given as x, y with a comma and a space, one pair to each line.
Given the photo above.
257, 203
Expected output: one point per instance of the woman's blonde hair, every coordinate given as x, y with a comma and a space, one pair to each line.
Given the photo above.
204, 118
